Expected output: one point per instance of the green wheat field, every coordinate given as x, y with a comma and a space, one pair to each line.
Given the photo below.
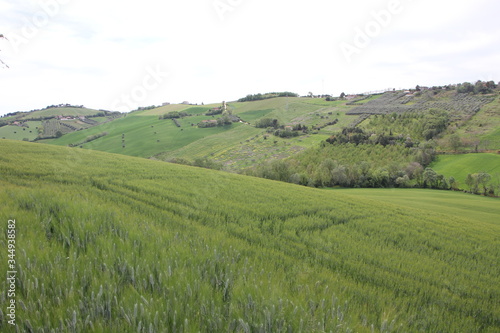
112, 243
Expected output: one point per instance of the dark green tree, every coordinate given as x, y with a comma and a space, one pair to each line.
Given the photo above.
453, 183
465, 88
482, 87
455, 142
430, 178
471, 182
483, 179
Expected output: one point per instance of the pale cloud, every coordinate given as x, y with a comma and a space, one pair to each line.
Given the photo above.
92, 52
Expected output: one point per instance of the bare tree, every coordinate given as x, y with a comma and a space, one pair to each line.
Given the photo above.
1, 61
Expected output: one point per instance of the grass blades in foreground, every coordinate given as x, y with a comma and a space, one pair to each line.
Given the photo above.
108, 242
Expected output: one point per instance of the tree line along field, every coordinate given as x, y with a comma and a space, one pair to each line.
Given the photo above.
108, 242
397, 149
459, 166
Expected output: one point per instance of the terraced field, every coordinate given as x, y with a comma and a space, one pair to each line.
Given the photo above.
399, 102
482, 130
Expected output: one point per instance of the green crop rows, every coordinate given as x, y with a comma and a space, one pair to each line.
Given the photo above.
114, 243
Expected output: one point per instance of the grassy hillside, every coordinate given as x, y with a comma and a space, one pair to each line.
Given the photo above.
439, 203
29, 132
396, 117
47, 123
459, 166
142, 134
109, 242
176, 107
57, 111
482, 130
245, 146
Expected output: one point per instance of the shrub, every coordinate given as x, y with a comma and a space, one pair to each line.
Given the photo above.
267, 122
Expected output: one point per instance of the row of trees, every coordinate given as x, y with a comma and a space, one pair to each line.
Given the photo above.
273, 126
367, 165
356, 135
201, 162
416, 125
258, 97
481, 183
87, 139
357, 165
480, 87
214, 111
221, 121
267, 122
174, 114
330, 173
287, 133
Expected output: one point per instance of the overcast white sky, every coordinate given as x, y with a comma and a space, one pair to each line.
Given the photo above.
121, 54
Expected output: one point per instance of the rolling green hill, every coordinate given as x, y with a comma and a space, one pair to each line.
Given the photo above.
402, 117
439, 117
239, 145
143, 136
57, 111
52, 122
108, 242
